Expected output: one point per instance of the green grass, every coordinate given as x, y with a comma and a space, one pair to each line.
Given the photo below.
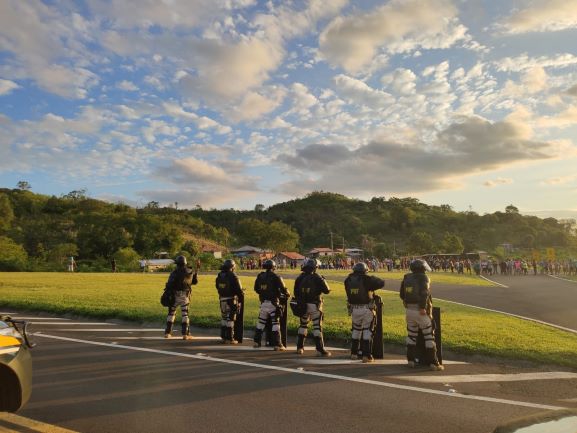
393, 279
135, 297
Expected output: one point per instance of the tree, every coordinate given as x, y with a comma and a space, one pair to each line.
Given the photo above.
6, 212
127, 259
13, 257
24, 185
259, 208
281, 237
420, 243
452, 243
79, 194
511, 209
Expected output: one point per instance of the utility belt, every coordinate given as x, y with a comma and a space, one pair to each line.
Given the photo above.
412, 307
360, 307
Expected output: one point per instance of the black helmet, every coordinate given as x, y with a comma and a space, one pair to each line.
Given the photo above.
311, 263
228, 265
180, 261
419, 265
361, 268
269, 264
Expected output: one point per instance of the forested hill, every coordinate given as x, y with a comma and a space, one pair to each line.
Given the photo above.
398, 225
42, 231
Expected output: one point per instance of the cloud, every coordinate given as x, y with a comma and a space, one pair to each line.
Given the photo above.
6, 86
524, 62
498, 181
472, 145
572, 90
129, 14
559, 180
38, 38
192, 171
128, 86
542, 16
352, 42
360, 93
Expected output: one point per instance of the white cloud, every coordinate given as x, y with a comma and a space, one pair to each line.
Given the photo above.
400, 26
128, 86
524, 62
542, 16
360, 93
7, 86
559, 180
499, 181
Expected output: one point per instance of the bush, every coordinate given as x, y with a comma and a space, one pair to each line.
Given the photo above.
13, 257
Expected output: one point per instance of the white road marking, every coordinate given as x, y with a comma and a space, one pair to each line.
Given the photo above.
160, 330
569, 400
494, 282
399, 361
175, 337
71, 323
470, 378
564, 279
15, 316
311, 373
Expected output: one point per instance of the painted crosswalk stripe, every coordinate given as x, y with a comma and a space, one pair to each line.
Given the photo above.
469, 378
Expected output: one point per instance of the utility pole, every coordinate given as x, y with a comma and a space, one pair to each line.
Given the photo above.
343, 244
331, 233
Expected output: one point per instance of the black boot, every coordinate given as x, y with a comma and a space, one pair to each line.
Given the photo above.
321, 347
257, 338
434, 364
223, 334
186, 332
300, 344
411, 355
230, 336
168, 330
366, 348
355, 344
278, 346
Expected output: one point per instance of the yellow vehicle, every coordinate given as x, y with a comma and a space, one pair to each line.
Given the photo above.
15, 364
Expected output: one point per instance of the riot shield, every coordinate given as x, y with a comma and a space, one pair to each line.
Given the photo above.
239, 322
378, 349
283, 320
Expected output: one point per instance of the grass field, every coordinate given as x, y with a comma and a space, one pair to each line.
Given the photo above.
135, 297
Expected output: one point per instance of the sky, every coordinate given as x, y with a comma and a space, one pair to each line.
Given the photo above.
234, 103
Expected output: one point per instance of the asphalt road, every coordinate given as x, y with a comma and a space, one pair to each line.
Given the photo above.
537, 297
117, 377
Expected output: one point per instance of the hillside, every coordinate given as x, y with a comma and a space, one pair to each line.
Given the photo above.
41, 232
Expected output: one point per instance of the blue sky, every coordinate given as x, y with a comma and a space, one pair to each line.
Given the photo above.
239, 102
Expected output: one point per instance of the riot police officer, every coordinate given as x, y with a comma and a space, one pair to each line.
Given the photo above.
416, 295
308, 291
231, 295
360, 289
271, 292
179, 283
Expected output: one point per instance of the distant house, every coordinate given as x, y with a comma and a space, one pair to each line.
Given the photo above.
248, 251
157, 264
285, 258
321, 252
354, 253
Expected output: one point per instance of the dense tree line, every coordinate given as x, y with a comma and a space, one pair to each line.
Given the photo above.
400, 225
40, 232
